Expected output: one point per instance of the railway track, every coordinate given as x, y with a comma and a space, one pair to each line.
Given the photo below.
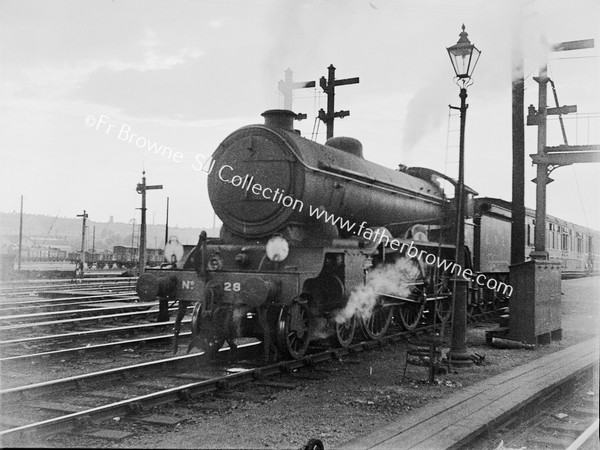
22, 344
30, 349
78, 321
562, 419
561, 424
84, 397
91, 397
84, 312
64, 303
33, 287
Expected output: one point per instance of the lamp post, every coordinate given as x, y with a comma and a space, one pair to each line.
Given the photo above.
464, 57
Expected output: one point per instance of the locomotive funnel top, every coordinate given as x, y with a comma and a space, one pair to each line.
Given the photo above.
279, 118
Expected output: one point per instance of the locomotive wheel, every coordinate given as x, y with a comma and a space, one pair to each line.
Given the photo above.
376, 325
293, 328
344, 332
443, 308
411, 314
208, 330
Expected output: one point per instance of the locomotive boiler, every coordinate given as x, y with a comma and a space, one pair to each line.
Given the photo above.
305, 248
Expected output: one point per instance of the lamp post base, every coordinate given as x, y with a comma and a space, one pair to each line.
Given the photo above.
459, 358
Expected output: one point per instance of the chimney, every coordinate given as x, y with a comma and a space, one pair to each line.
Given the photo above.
279, 118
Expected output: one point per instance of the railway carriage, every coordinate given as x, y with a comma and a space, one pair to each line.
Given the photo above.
575, 246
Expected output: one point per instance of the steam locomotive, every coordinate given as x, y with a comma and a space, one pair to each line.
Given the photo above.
297, 240
317, 242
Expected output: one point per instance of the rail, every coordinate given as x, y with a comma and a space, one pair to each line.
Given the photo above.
584, 437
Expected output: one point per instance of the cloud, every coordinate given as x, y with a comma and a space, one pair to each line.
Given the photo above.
188, 91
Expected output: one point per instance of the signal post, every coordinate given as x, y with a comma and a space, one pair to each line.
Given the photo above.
535, 306
82, 261
141, 189
328, 85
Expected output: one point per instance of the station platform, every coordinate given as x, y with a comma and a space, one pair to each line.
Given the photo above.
455, 421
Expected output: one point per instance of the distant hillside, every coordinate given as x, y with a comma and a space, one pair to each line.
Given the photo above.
107, 234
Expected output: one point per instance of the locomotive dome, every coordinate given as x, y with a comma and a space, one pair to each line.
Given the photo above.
266, 177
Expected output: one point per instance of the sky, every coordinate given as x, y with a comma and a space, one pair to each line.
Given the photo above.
90, 89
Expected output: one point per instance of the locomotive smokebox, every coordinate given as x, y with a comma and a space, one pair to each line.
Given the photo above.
279, 118
267, 177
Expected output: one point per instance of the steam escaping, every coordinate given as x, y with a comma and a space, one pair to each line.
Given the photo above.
319, 329
393, 279
424, 114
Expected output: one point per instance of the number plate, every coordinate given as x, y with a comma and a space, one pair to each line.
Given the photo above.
232, 287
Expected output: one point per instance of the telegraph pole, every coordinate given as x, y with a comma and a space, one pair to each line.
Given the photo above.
82, 262
167, 224
20, 236
328, 85
141, 189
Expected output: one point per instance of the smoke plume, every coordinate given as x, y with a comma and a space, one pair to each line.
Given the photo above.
391, 279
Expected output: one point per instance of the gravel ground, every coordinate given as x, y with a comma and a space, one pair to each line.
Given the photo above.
338, 401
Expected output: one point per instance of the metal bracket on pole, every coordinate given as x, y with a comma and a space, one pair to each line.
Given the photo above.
543, 158
328, 85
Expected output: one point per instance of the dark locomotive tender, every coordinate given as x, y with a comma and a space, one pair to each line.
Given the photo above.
281, 275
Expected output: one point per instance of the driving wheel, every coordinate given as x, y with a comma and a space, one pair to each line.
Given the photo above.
293, 329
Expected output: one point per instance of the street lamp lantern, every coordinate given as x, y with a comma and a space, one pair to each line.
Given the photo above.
464, 57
